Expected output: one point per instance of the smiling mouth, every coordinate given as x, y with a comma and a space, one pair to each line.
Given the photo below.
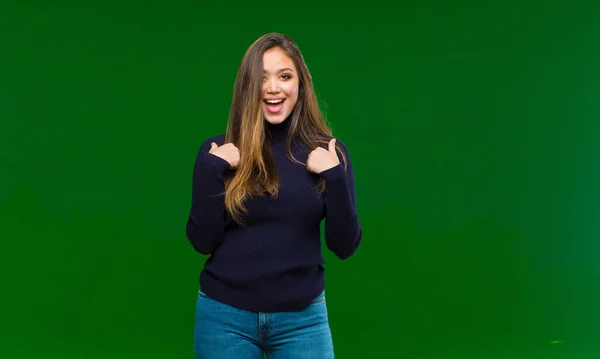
274, 106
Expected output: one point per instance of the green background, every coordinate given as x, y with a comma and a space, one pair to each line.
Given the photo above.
473, 129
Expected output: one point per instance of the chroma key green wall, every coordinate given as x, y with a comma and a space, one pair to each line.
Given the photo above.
473, 129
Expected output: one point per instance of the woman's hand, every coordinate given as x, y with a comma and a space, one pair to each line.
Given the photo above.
228, 152
320, 159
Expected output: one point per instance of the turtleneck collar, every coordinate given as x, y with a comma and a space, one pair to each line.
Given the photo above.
279, 130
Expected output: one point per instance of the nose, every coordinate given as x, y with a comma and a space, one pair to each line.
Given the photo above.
272, 85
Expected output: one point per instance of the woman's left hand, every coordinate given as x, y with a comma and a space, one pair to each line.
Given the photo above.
320, 159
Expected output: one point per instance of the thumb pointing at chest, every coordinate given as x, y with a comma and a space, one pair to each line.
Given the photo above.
332, 145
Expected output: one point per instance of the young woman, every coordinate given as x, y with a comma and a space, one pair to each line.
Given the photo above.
259, 194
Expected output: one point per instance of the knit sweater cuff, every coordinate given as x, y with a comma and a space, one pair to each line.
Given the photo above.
215, 162
335, 174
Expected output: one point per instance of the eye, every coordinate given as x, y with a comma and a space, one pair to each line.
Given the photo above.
286, 76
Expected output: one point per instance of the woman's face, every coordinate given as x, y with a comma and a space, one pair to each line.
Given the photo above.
279, 87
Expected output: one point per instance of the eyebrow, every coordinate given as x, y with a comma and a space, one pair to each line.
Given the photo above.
282, 70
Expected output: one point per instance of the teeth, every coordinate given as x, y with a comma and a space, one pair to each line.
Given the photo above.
274, 101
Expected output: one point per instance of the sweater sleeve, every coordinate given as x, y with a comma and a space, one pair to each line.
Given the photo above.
206, 221
343, 232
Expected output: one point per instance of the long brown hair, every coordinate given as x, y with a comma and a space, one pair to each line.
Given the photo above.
255, 174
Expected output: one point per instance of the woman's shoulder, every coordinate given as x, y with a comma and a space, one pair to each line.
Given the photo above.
218, 139
325, 139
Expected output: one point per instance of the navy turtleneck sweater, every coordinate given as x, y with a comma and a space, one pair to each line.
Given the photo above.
274, 262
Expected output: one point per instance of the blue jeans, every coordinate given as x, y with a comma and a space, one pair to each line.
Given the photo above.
225, 332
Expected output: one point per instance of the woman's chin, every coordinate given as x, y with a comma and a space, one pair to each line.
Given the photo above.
275, 119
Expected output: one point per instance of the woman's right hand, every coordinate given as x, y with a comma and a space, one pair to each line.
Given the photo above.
228, 152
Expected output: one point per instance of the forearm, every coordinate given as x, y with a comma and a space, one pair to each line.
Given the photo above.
343, 232
206, 219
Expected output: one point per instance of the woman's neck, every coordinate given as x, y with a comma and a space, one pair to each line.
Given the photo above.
279, 130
